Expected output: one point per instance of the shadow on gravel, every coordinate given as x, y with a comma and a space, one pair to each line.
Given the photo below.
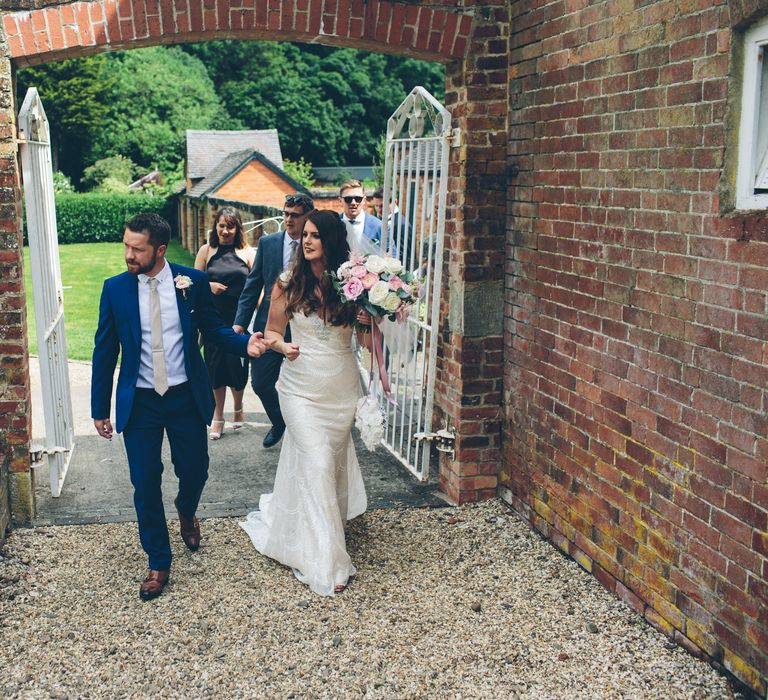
98, 488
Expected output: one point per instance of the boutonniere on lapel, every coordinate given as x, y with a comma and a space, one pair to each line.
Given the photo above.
183, 283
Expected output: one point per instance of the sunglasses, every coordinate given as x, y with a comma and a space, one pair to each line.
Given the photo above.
349, 199
293, 200
293, 215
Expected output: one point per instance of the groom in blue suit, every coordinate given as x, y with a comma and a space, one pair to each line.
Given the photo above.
152, 314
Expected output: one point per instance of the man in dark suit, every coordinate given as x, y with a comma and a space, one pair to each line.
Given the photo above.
400, 233
152, 314
273, 255
362, 229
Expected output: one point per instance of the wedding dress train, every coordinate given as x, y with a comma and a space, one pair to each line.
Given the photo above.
318, 484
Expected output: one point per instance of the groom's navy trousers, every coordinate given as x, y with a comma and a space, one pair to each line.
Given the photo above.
142, 415
152, 415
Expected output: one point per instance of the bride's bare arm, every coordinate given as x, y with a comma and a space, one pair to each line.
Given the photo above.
274, 333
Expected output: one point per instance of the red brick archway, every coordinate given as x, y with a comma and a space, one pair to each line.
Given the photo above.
472, 42
83, 28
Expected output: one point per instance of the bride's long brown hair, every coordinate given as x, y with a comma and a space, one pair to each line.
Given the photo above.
303, 291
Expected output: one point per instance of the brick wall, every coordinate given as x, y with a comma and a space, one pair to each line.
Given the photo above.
636, 387
70, 29
16, 500
469, 376
256, 184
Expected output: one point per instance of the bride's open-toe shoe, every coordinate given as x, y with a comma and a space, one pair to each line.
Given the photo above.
238, 419
339, 588
217, 427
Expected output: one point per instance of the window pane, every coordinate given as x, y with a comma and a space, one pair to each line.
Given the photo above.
761, 181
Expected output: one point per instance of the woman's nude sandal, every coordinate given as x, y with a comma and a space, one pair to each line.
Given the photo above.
213, 433
339, 588
238, 419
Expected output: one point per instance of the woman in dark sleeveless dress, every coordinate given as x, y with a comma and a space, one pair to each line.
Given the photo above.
227, 259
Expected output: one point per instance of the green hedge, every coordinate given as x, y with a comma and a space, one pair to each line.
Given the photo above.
96, 216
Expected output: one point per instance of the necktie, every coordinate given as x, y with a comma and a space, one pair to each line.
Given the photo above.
352, 221
158, 353
294, 245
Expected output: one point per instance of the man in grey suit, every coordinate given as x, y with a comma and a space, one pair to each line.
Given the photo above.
273, 255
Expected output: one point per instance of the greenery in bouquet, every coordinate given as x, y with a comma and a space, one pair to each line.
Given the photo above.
378, 284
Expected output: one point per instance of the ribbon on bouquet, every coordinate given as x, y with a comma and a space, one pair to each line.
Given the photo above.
377, 357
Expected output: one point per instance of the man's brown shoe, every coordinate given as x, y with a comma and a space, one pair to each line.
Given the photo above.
189, 529
154, 584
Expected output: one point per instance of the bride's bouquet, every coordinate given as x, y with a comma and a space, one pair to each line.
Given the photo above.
380, 285
377, 283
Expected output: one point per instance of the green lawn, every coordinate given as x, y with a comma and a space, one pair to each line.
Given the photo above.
84, 267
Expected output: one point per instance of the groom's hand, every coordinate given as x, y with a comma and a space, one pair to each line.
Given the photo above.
103, 427
256, 345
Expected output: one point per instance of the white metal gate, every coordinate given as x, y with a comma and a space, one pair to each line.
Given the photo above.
37, 172
419, 138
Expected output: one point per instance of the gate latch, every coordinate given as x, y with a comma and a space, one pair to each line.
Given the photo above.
444, 439
36, 453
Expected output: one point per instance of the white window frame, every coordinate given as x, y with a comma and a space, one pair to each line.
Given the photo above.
753, 130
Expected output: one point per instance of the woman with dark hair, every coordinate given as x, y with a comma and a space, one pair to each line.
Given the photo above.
318, 485
227, 259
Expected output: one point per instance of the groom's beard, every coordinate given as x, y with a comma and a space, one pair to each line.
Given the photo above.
136, 269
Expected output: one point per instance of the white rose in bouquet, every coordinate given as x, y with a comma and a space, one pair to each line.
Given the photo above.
391, 302
375, 264
394, 266
378, 293
345, 271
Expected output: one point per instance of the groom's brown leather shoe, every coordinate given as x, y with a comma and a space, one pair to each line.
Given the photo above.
153, 585
189, 528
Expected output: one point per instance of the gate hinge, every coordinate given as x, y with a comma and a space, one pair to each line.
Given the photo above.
444, 439
454, 139
36, 453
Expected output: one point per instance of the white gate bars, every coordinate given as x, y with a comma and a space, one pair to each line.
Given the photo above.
419, 138
37, 172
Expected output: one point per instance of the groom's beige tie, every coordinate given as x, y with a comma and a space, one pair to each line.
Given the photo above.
158, 352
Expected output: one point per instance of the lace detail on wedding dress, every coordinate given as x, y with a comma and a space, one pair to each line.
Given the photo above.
321, 330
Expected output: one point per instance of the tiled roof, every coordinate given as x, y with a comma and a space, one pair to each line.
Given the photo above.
329, 173
230, 164
206, 149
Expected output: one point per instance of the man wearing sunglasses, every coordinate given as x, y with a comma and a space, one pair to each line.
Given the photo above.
359, 225
274, 254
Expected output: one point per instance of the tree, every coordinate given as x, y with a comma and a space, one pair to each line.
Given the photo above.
158, 93
300, 170
76, 96
112, 174
330, 105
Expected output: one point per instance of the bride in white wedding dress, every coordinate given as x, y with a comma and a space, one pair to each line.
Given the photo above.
318, 484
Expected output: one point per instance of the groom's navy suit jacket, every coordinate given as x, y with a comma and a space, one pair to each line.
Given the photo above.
267, 266
119, 330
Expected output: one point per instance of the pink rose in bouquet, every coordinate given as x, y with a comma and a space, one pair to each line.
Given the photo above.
369, 279
395, 283
352, 289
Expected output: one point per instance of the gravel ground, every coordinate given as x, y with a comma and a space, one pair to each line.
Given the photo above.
448, 603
